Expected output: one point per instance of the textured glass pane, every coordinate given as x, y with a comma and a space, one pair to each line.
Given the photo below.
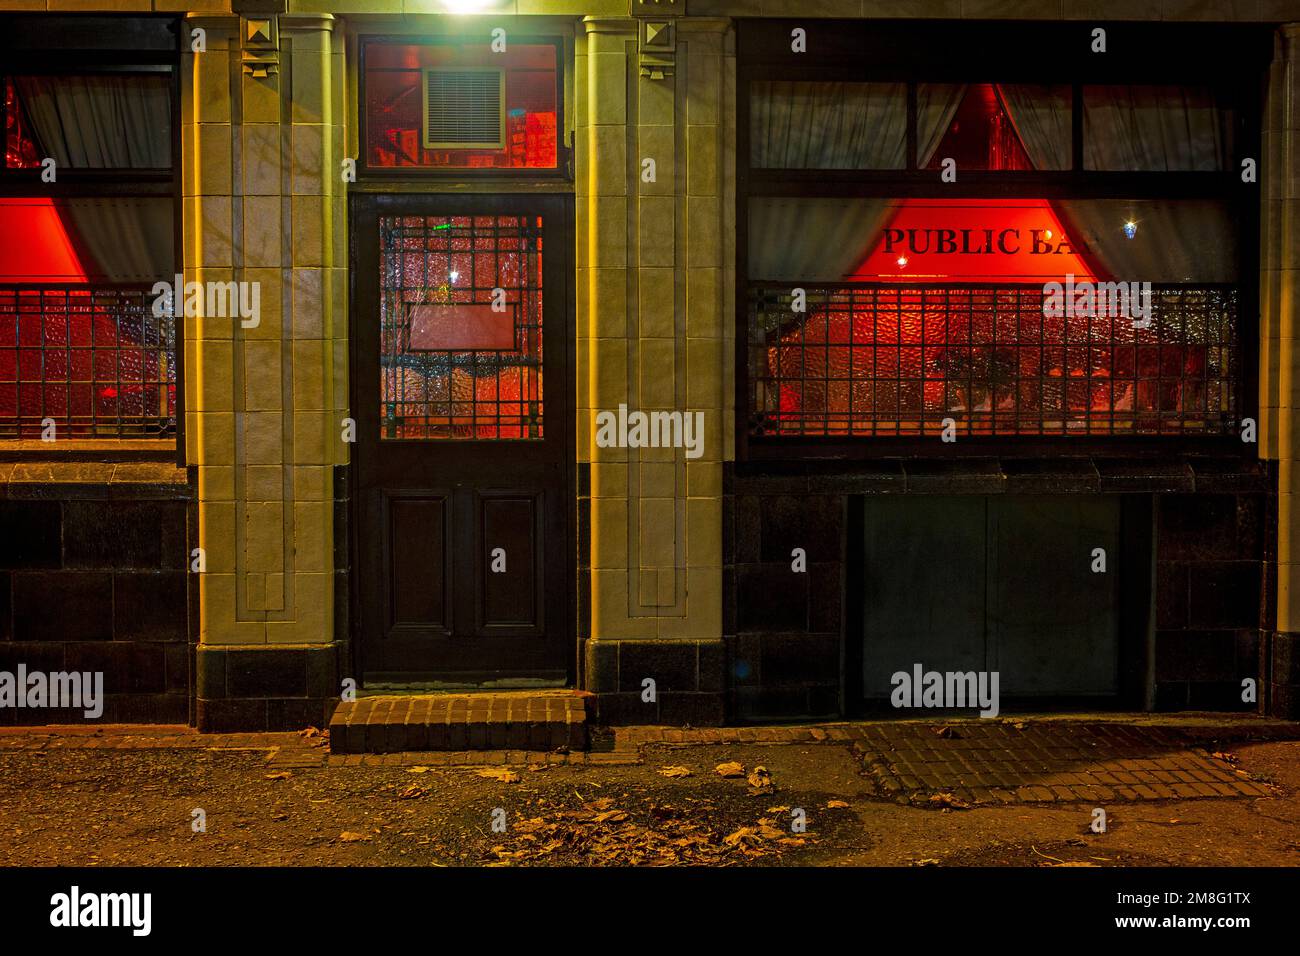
902, 360
96, 361
460, 327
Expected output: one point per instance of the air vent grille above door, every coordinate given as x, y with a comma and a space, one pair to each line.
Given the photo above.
464, 109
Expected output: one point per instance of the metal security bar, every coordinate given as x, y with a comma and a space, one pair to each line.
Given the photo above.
451, 288
95, 362
905, 360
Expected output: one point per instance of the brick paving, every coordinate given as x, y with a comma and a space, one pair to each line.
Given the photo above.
458, 722
1003, 763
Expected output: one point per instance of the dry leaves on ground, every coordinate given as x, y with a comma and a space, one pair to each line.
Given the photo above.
279, 775
347, 836
674, 771
602, 834
760, 779
730, 769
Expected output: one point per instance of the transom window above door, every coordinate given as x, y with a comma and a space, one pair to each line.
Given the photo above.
461, 105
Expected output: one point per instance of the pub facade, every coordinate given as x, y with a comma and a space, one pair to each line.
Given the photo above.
722, 359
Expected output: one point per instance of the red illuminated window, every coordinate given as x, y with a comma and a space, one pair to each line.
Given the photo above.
81, 342
460, 106
995, 317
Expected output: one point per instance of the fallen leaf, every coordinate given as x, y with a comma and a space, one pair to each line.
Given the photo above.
279, 775
744, 834
760, 778
411, 792
611, 816
504, 774
417, 769
836, 804
674, 771
347, 836
947, 733
730, 769
948, 800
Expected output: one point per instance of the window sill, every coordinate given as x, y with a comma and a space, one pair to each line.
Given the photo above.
63, 479
103, 450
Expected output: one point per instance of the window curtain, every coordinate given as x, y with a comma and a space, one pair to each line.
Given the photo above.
936, 104
1173, 241
1041, 117
812, 240
105, 121
828, 125
122, 240
1160, 128
109, 121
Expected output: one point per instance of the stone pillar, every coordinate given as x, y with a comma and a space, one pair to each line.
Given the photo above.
1279, 378
264, 205
654, 258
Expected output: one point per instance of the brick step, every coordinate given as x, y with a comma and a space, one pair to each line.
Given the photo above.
481, 721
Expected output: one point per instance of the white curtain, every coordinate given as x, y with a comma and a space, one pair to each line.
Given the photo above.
1160, 128
104, 121
811, 240
814, 125
1173, 240
936, 104
109, 121
122, 240
1041, 117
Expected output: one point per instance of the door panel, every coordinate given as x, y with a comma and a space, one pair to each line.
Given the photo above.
1055, 626
460, 385
418, 578
925, 589
510, 583
993, 583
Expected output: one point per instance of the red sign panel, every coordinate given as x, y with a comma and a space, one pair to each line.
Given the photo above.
973, 240
461, 328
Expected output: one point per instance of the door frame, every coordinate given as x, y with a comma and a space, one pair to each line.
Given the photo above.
364, 202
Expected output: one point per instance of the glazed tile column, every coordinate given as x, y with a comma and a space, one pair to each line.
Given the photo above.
264, 208
1279, 359
654, 253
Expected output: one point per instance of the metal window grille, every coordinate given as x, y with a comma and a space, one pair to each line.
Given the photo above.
95, 361
431, 393
902, 360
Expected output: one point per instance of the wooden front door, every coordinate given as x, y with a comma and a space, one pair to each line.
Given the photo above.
461, 380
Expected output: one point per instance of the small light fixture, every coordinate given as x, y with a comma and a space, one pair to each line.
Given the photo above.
1130, 229
454, 275
468, 6
902, 261
1048, 234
